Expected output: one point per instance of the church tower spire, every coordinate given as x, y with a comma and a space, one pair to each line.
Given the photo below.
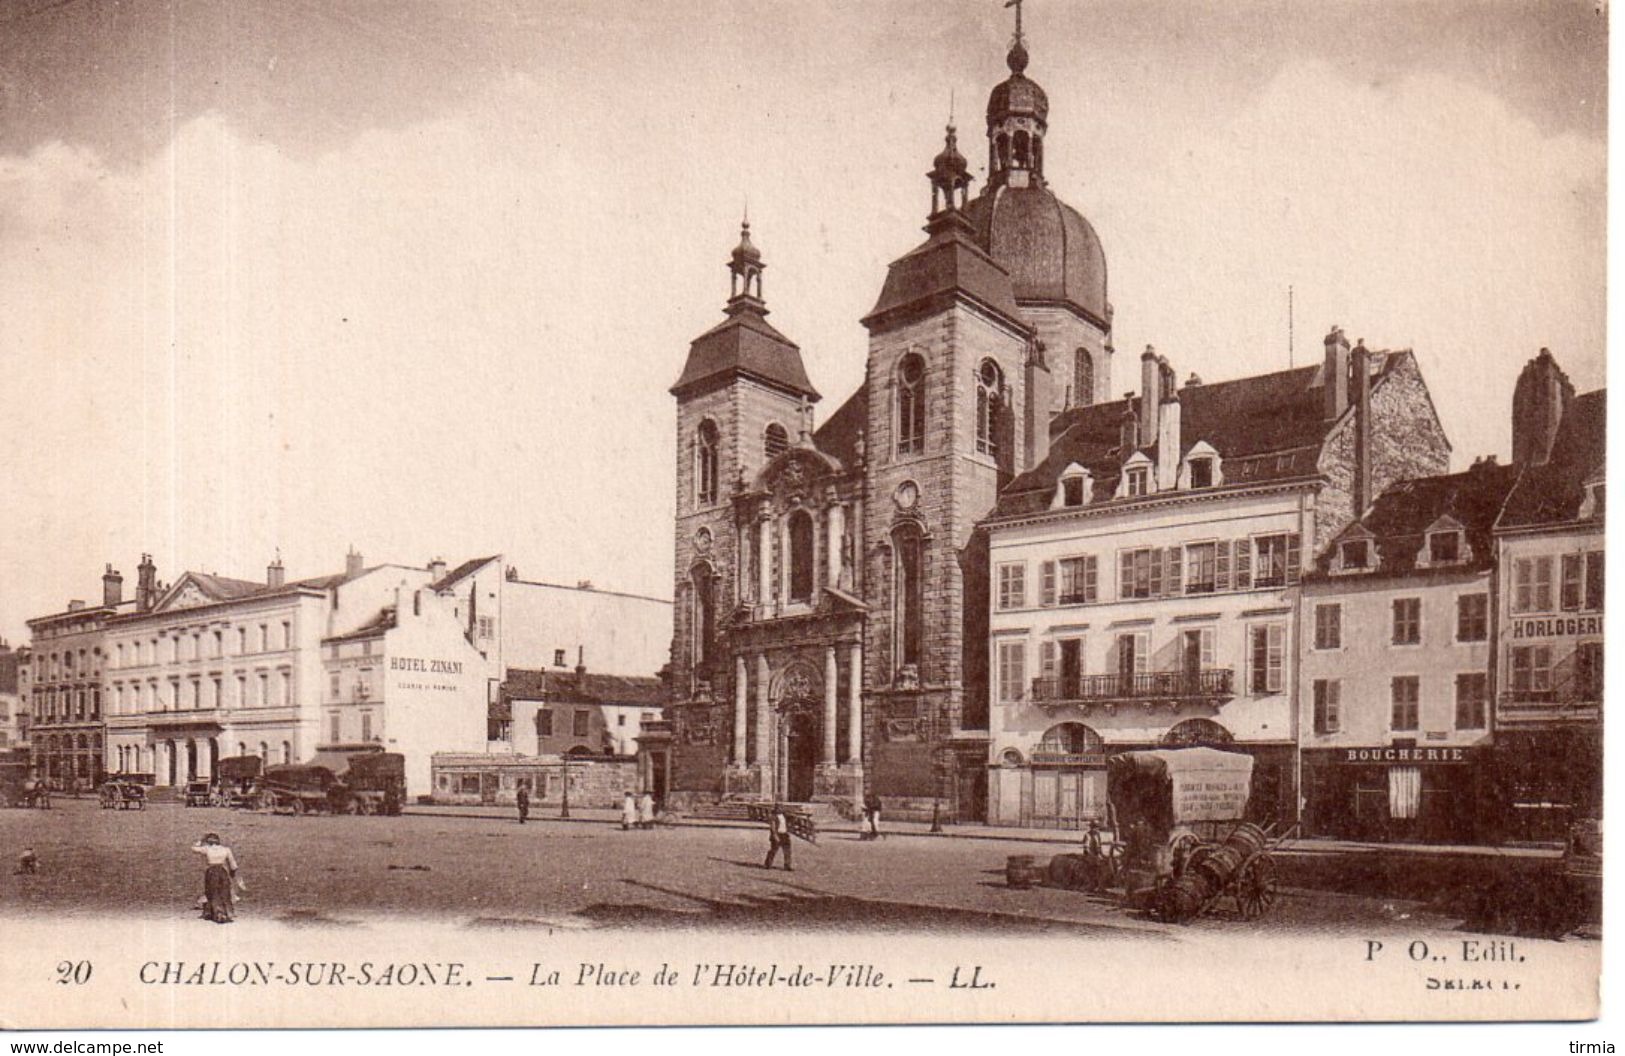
745, 269
1017, 119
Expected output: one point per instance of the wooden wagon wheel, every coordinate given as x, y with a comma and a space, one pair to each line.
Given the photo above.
1255, 887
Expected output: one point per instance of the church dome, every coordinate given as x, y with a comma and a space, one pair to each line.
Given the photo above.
1051, 252
1049, 249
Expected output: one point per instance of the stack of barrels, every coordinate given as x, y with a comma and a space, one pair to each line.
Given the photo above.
1207, 874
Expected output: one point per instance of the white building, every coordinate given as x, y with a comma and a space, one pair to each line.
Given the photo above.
213, 667
410, 681
524, 624
1144, 577
1396, 664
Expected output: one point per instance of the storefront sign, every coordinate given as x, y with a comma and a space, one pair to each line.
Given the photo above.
1555, 626
1406, 756
428, 667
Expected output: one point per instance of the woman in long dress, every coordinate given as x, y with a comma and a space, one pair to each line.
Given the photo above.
219, 875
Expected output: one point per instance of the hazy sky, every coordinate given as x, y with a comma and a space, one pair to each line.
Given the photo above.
417, 277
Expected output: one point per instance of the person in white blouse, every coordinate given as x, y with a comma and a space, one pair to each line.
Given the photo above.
219, 876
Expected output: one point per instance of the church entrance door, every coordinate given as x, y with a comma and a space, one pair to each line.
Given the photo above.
800, 743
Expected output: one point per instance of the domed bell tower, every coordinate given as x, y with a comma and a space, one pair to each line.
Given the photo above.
742, 397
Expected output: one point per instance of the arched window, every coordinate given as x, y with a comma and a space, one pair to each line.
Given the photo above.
287, 752
801, 556
1083, 378
989, 389
908, 555
911, 405
774, 440
1195, 732
265, 752
1022, 160
704, 613
1001, 151
1070, 738
705, 463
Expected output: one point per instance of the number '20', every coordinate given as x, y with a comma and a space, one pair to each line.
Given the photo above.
74, 973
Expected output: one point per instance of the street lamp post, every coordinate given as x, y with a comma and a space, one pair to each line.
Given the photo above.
564, 806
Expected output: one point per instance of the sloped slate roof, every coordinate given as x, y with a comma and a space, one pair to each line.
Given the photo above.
588, 688
461, 570
383, 621
745, 343
838, 436
1401, 516
946, 264
1269, 427
1552, 493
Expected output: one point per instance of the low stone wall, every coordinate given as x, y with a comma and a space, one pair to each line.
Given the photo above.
474, 778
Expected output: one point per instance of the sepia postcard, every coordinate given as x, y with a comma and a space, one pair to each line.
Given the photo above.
589, 513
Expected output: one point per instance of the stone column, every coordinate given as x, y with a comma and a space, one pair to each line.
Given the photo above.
854, 706
837, 532
764, 562
741, 703
764, 716
831, 700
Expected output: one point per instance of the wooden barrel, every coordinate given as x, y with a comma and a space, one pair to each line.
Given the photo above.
1220, 865
1019, 871
1248, 840
1064, 871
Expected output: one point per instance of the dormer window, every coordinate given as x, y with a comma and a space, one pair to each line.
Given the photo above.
1139, 481
1076, 488
1201, 472
1444, 548
1356, 554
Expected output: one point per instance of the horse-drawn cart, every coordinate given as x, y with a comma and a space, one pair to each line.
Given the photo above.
1186, 845
123, 795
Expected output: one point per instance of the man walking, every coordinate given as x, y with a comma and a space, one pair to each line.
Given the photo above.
778, 836
523, 799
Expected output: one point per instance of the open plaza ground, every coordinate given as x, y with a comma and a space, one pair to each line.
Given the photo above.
484, 869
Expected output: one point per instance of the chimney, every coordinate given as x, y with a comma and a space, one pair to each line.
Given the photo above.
581, 659
1335, 376
1168, 443
112, 587
1128, 429
275, 575
1037, 409
437, 569
76, 605
1362, 427
146, 584
1539, 401
353, 564
1167, 385
1150, 383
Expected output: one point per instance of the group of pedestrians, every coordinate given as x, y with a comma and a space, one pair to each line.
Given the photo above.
638, 812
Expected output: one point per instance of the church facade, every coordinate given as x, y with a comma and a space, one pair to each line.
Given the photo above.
831, 583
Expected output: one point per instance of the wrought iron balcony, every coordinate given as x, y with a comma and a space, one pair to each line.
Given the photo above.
1213, 684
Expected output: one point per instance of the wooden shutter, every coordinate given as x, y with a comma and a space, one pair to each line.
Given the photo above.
1091, 583
1156, 572
1244, 564
1047, 576
1221, 566
1276, 657
1142, 652
1125, 582
1207, 648
1293, 557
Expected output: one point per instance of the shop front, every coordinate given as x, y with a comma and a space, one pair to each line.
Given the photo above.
1545, 780
1396, 793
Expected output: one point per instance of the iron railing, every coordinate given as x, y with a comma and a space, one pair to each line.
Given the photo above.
1207, 683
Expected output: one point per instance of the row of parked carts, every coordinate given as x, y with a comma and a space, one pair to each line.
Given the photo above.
362, 781
1180, 846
